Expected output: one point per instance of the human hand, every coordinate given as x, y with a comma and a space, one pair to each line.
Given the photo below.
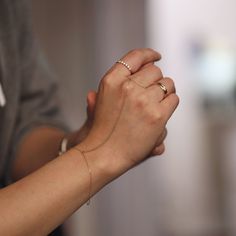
158, 150
78, 136
130, 119
83, 132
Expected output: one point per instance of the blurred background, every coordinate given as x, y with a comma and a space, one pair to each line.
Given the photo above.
191, 190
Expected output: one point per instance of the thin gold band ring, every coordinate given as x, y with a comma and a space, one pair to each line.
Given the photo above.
162, 87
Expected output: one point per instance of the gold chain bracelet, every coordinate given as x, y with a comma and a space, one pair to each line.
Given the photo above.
89, 171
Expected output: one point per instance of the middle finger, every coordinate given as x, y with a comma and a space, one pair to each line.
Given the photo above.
147, 76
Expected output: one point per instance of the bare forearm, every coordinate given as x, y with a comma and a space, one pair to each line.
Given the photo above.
39, 202
37, 148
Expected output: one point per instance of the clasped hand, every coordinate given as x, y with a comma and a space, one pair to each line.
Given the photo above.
131, 110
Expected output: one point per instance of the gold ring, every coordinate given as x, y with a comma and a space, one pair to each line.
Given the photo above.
162, 87
125, 64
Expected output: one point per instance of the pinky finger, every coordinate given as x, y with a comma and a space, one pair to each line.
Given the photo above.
169, 104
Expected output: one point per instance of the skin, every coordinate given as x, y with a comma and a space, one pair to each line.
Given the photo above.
125, 116
32, 153
42, 144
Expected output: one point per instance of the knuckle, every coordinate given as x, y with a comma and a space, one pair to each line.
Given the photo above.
107, 81
127, 87
158, 116
171, 83
175, 98
155, 117
160, 150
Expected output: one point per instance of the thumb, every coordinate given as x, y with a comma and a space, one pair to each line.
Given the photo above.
91, 101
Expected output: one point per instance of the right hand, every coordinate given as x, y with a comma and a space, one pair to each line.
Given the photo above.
129, 120
158, 150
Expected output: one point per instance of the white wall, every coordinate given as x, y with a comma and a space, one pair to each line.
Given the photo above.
191, 191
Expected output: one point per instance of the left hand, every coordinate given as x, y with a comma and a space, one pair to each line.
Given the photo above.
79, 135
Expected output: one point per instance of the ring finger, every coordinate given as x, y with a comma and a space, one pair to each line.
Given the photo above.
165, 87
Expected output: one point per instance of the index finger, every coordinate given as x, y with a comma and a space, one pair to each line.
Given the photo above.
136, 59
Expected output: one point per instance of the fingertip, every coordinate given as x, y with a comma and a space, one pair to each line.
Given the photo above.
91, 101
91, 97
158, 55
159, 150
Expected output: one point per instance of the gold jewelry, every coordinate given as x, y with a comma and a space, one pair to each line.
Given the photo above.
86, 161
89, 171
125, 64
162, 87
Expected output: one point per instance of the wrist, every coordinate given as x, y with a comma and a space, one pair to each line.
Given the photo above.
76, 137
106, 163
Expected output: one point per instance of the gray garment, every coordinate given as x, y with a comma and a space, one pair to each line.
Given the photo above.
30, 92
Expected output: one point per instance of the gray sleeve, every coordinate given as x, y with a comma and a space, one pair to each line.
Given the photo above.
38, 101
